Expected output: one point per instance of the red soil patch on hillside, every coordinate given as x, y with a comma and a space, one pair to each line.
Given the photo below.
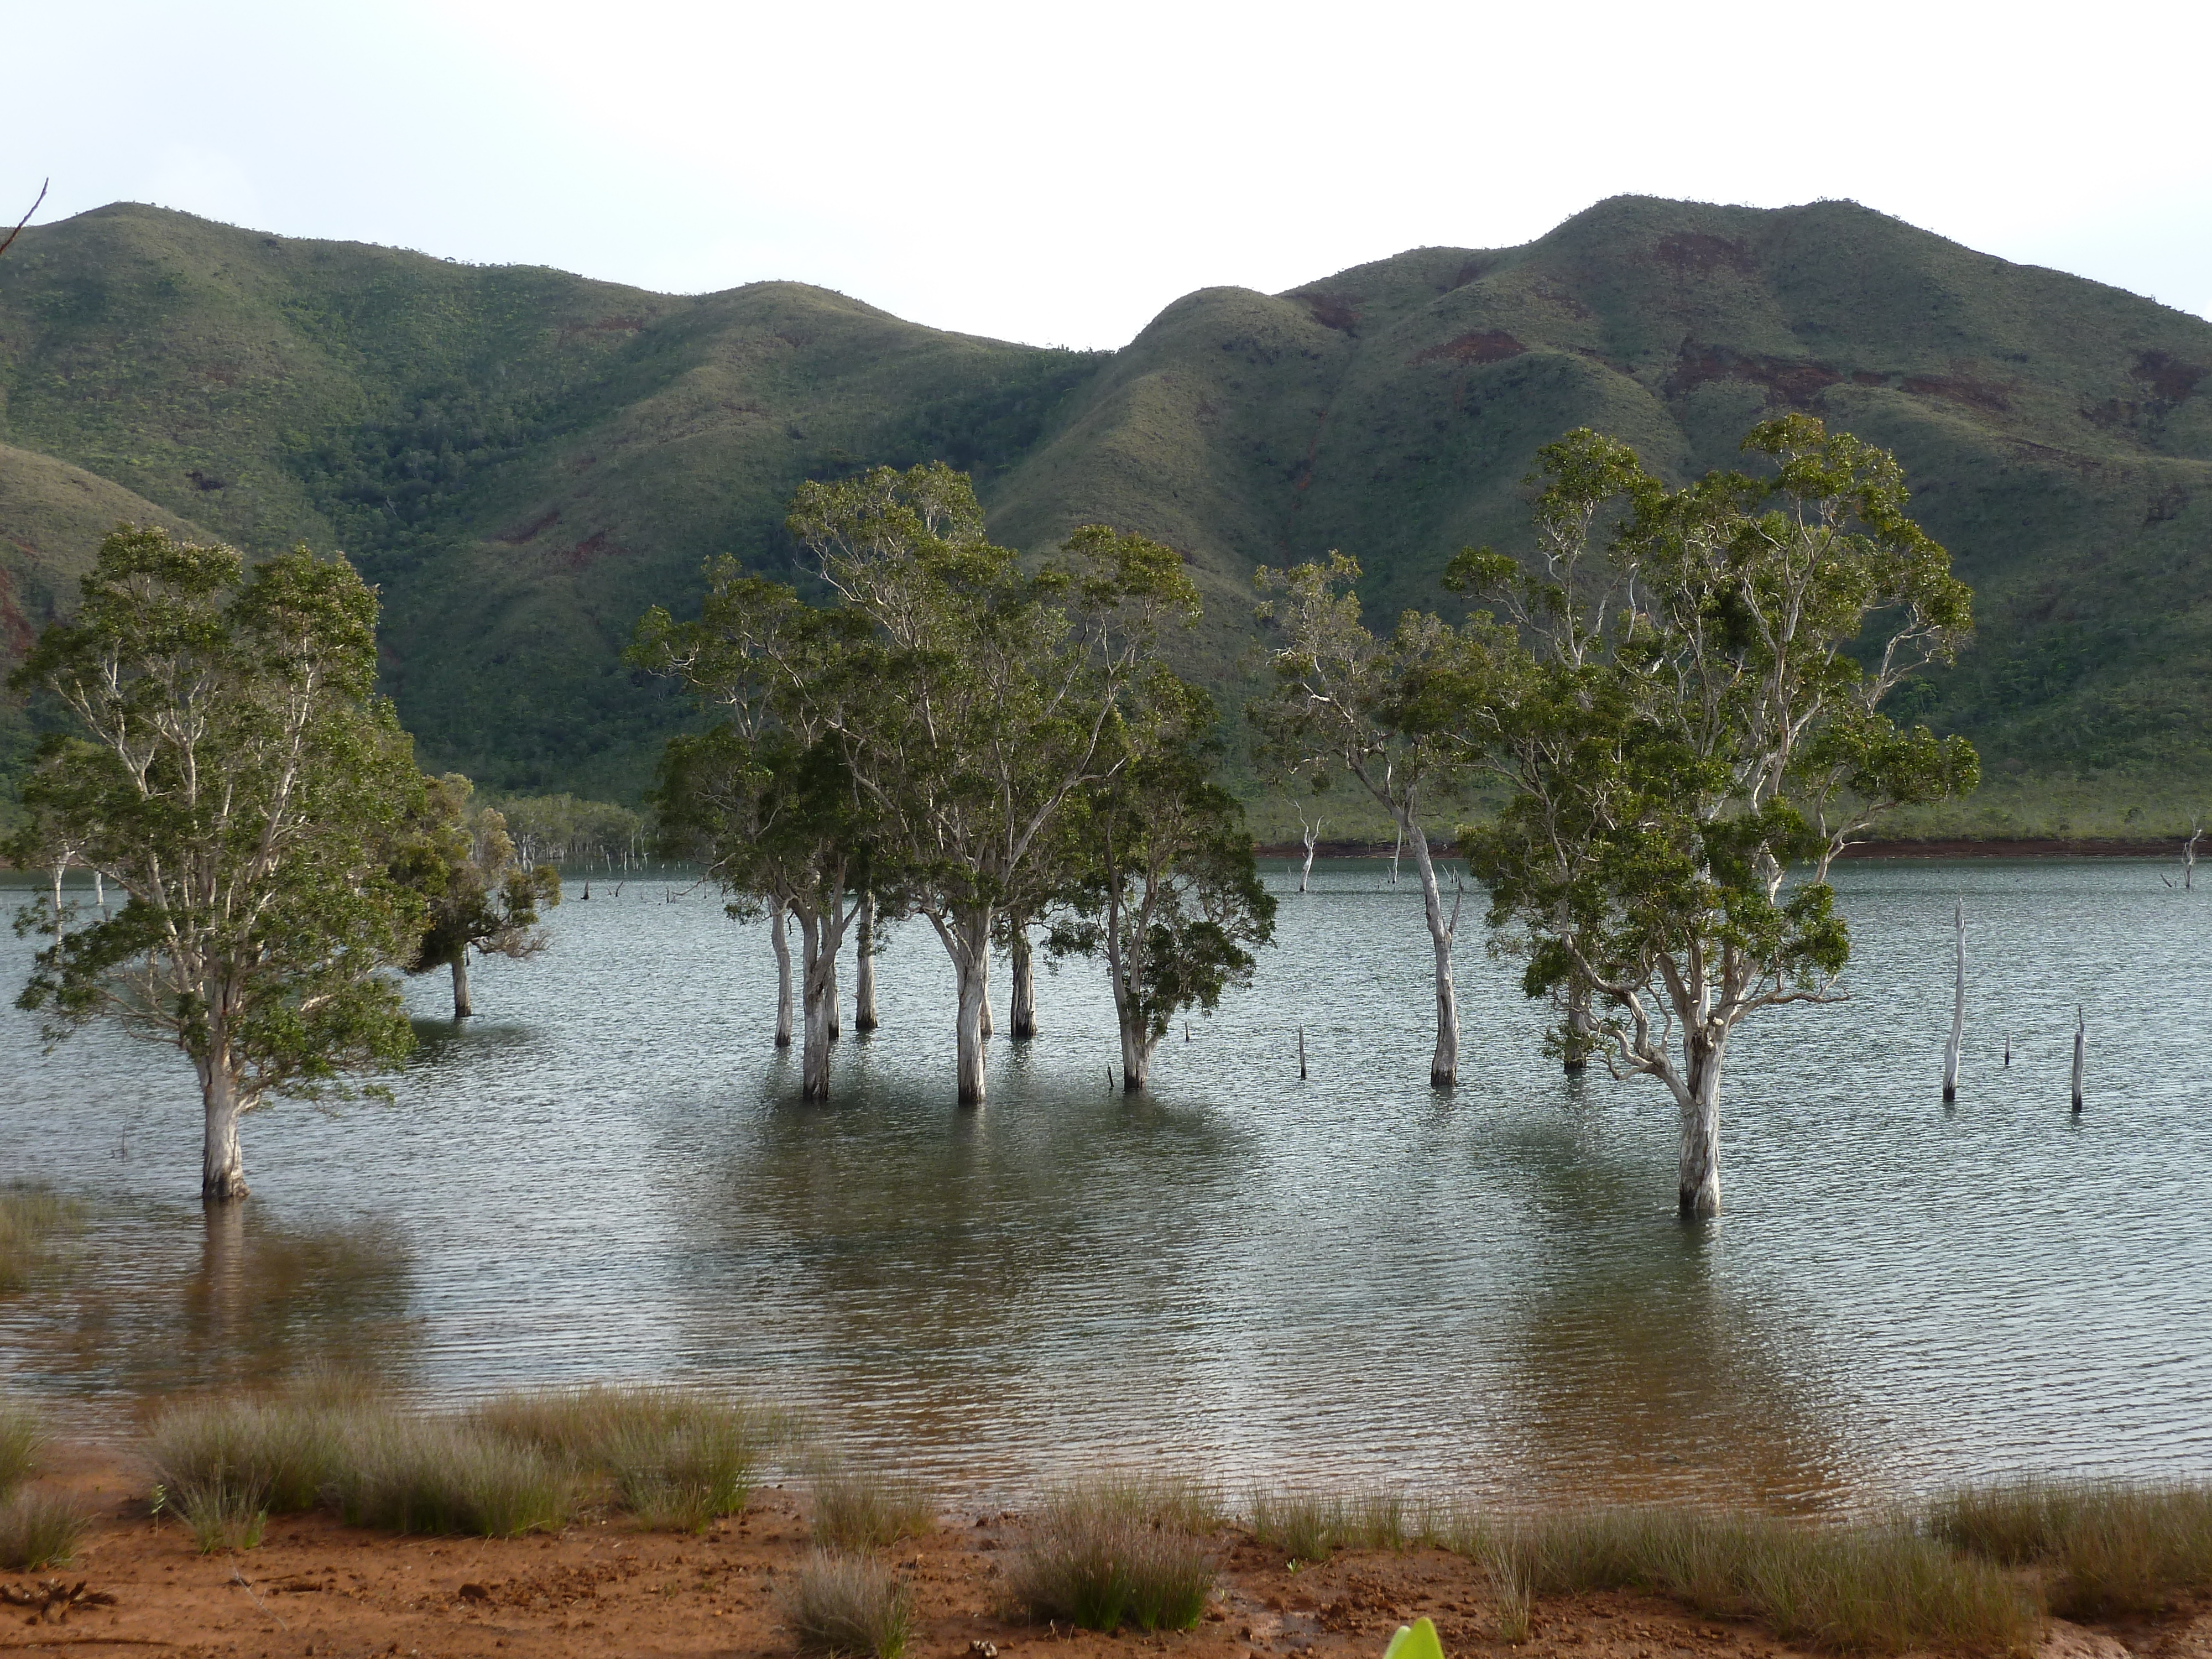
1484, 345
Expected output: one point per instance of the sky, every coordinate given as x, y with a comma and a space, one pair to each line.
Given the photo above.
1060, 174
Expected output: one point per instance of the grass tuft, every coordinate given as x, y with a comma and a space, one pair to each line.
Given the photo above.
678, 1460
22, 1436
40, 1529
1305, 1526
1881, 1590
1097, 1558
224, 1514
848, 1605
434, 1475
282, 1453
858, 1506
2104, 1547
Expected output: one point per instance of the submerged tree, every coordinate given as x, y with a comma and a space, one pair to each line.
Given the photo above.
1690, 742
461, 864
234, 776
1375, 710
1167, 890
764, 797
983, 698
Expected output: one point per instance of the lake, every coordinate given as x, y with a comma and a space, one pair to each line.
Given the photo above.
1350, 1280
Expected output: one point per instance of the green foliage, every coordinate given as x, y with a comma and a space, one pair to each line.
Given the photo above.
1684, 733
431, 1475
234, 1457
860, 1506
460, 866
230, 771
22, 1438
33, 1222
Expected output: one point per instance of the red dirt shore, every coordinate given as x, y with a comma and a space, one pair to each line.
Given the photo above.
317, 1588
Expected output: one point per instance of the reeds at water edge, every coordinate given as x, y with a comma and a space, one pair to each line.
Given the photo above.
2101, 1548
1118, 1551
847, 1604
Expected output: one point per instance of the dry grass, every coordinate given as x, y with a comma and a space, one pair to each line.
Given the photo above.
40, 1529
858, 1506
1116, 1551
22, 1436
676, 1459
848, 1605
222, 1516
437, 1475
1881, 1590
282, 1453
2104, 1547
32, 1222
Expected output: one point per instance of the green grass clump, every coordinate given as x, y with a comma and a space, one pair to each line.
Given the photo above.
848, 1605
676, 1459
32, 1222
1881, 1590
282, 1453
1305, 1526
858, 1506
223, 1515
435, 1475
1094, 1558
40, 1529
2104, 1547
22, 1436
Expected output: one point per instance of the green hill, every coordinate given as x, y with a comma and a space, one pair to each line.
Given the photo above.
525, 460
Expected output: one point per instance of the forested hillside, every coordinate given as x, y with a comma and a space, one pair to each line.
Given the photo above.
523, 460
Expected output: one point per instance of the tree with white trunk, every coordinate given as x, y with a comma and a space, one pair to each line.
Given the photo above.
233, 773
985, 696
764, 797
1345, 702
1682, 781
459, 861
1168, 893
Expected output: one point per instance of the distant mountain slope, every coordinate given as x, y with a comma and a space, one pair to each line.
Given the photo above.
525, 459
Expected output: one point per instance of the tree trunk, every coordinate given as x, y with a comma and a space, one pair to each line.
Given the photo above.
1958, 1010
1138, 1046
781, 942
1312, 834
1021, 1011
971, 962
462, 1009
1444, 1065
1580, 1024
222, 1167
818, 996
837, 1025
1699, 1177
2081, 1042
864, 969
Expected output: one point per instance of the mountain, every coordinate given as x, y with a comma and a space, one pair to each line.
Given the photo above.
523, 459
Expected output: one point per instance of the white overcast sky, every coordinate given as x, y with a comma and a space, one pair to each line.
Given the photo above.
1059, 172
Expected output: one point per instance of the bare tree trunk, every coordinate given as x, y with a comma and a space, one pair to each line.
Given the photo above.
61, 865
1958, 1010
1580, 1025
2189, 857
1312, 832
222, 1167
818, 991
864, 971
1700, 1174
1444, 1065
1021, 1009
837, 1025
1137, 1046
1397, 849
2081, 1042
462, 1007
781, 942
968, 941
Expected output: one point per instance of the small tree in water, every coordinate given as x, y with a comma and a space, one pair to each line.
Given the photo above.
1689, 743
234, 777
1168, 892
476, 895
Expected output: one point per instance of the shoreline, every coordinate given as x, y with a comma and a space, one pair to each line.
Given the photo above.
1933, 846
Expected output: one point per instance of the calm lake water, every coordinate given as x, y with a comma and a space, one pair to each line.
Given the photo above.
609, 1174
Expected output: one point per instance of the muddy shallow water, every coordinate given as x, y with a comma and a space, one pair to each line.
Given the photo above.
608, 1174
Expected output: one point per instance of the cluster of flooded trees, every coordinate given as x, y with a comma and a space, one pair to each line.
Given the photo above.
991, 747
1676, 698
